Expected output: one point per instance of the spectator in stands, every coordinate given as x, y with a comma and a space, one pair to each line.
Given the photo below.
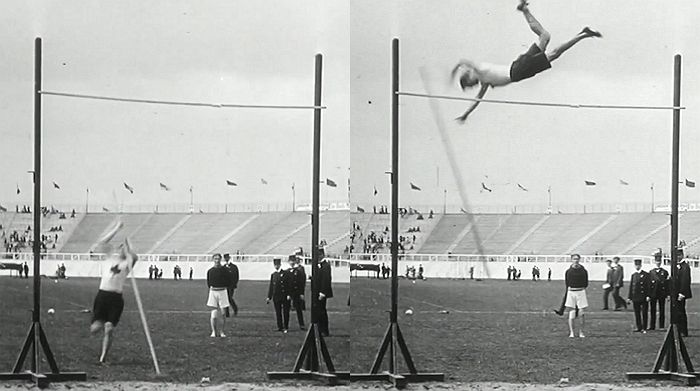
72, 214
62, 271
26, 270
618, 282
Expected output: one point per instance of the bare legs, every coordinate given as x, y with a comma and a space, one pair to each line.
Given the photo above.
544, 36
535, 26
107, 339
572, 317
217, 315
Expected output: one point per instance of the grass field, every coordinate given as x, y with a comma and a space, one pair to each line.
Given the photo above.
179, 323
503, 331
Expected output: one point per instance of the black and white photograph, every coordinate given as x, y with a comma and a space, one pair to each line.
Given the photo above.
349, 195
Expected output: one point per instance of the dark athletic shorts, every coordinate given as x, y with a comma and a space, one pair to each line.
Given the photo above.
108, 307
529, 64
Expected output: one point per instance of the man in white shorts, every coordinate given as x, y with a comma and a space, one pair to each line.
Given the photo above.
109, 302
218, 280
576, 284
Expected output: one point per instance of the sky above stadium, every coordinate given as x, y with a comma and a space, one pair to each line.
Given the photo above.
536, 147
255, 52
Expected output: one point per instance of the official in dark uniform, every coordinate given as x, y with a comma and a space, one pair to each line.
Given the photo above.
297, 287
608, 286
682, 284
659, 292
325, 292
231, 290
640, 289
277, 292
618, 283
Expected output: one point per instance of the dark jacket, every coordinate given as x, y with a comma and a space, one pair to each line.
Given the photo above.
682, 280
297, 280
278, 286
618, 276
218, 277
576, 277
640, 286
660, 288
324, 278
233, 269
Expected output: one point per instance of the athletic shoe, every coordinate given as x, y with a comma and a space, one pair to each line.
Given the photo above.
284, 331
302, 327
591, 33
581, 335
560, 313
571, 335
644, 331
222, 335
213, 335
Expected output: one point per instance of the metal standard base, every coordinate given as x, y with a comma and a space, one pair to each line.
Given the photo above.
307, 365
393, 337
43, 380
35, 340
668, 359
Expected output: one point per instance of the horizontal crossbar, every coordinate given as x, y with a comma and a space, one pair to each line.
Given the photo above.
547, 104
178, 103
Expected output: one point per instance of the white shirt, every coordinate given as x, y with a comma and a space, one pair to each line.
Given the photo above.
114, 272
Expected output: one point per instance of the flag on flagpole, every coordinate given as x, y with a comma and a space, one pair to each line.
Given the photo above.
263, 181
624, 183
463, 211
361, 210
414, 187
522, 187
55, 185
689, 183
231, 183
330, 183
105, 209
375, 190
164, 186
483, 187
3, 209
590, 183
18, 191
127, 187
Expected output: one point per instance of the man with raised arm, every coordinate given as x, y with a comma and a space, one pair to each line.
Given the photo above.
109, 302
537, 59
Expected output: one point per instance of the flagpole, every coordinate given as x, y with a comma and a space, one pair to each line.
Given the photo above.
294, 198
652, 198
191, 199
87, 200
444, 203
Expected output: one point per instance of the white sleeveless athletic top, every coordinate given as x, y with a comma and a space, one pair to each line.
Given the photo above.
114, 272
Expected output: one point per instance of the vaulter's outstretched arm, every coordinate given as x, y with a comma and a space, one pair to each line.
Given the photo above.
474, 105
130, 250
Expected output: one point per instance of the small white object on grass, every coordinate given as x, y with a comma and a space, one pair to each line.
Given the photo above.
205, 380
51, 311
409, 312
414, 281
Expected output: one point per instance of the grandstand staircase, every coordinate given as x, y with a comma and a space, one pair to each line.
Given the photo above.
462, 234
232, 233
647, 236
527, 234
169, 234
289, 235
425, 230
590, 234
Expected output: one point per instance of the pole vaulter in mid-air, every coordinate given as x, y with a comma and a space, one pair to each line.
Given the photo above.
537, 59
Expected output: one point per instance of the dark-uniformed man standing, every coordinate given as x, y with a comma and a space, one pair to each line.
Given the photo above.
659, 292
325, 291
277, 292
235, 276
618, 282
640, 287
682, 284
297, 287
